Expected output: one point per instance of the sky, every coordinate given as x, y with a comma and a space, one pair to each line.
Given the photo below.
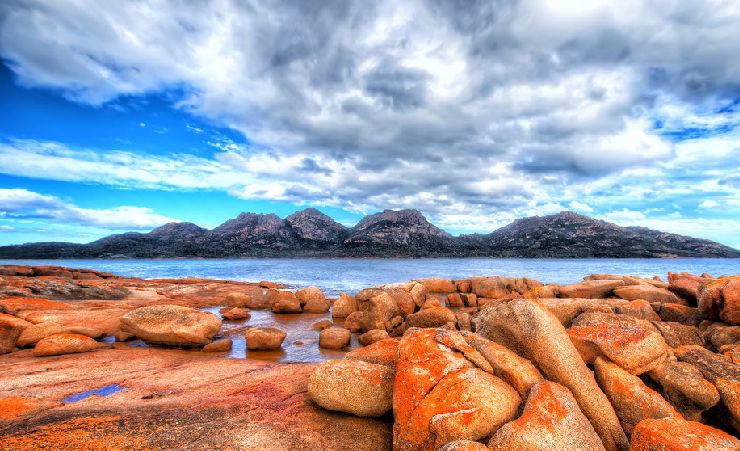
118, 116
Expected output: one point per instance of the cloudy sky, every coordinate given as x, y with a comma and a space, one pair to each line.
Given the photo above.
126, 115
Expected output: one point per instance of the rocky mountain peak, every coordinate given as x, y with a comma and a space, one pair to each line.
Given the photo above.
312, 225
178, 230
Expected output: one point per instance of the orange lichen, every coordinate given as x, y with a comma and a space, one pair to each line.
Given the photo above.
15, 304
14, 406
543, 409
678, 434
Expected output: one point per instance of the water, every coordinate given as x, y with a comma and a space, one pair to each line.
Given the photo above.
102, 391
334, 275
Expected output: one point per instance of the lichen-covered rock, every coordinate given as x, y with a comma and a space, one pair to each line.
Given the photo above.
496, 287
729, 392
383, 352
633, 344
720, 299
380, 309
171, 325
286, 302
334, 338
312, 300
648, 293
685, 388
60, 344
681, 314
438, 285
506, 364
354, 321
34, 333
264, 338
674, 434
352, 386
595, 289
567, 309
372, 336
431, 317
551, 421
11, 328
530, 330
639, 309
686, 285
712, 366
677, 334
632, 399
344, 306
720, 334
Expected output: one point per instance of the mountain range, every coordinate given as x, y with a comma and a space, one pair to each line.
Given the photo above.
404, 233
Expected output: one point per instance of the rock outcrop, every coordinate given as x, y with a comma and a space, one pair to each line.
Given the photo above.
172, 325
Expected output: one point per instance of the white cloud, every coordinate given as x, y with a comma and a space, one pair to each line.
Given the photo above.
21, 203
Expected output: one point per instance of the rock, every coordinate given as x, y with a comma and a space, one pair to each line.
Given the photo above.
264, 338
631, 343
171, 325
260, 302
86, 331
312, 300
632, 399
236, 313
593, 289
321, 325
454, 300
431, 302
344, 306
354, 321
464, 321
712, 366
720, 334
551, 421
464, 286
11, 328
496, 287
372, 336
419, 294
677, 334
532, 332
686, 285
431, 317
34, 333
680, 314
123, 336
383, 352
286, 302
545, 291
404, 301
59, 344
637, 309
729, 392
685, 388
352, 386
468, 404
222, 345
437, 285
268, 284
567, 309
720, 299
507, 365
334, 338
464, 445
676, 434
237, 299
648, 293
469, 299
380, 310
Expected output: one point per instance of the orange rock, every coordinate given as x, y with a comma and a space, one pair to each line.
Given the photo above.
312, 300
593, 289
15, 304
354, 321
497, 287
334, 338
352, 386
286, 302
236, 313
33, 334
431, 317
383, 352
677, 334
15, 406
437, 285
685, 388
372, 336
464, 445
720, 299
680, 314
464, 286
729, 391
268, 284
567, 309
344, 306
551, 421
264, 338
222, 345
380, 310
674, 434
65, 344
639, 309
649, 293
632, 399
454, 300
686, 285
171, 325
712, 366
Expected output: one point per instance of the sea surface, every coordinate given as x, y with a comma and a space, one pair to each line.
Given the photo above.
334, 275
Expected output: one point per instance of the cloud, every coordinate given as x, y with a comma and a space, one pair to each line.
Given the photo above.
24, 204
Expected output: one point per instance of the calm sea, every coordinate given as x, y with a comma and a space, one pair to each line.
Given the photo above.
351, 275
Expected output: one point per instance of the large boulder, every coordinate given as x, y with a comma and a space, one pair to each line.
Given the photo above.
551, 421
686, 285
729, 392
344, 306
712, 366
173, 325
432, 317
530, 330
648, 293
334, 338
594, 289
438, 285
677, 334
383, 352
372, 336
352, 386
568, 309
65, 344
36, 332
264, 338
11, 328
633, 344
379, 311
235, 313
632, 399
671, 434
685, 388
496, 287
285, 302
506, 364
312, 300
720, 334
221, 345
720, 299
681, 314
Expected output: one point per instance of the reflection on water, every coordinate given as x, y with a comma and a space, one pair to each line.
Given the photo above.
102, 391
300, 345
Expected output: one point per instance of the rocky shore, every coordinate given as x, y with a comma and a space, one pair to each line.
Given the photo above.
93, 360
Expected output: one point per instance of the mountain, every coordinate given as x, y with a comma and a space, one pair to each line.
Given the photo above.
404, 233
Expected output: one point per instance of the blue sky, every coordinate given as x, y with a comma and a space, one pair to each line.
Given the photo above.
133, 114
